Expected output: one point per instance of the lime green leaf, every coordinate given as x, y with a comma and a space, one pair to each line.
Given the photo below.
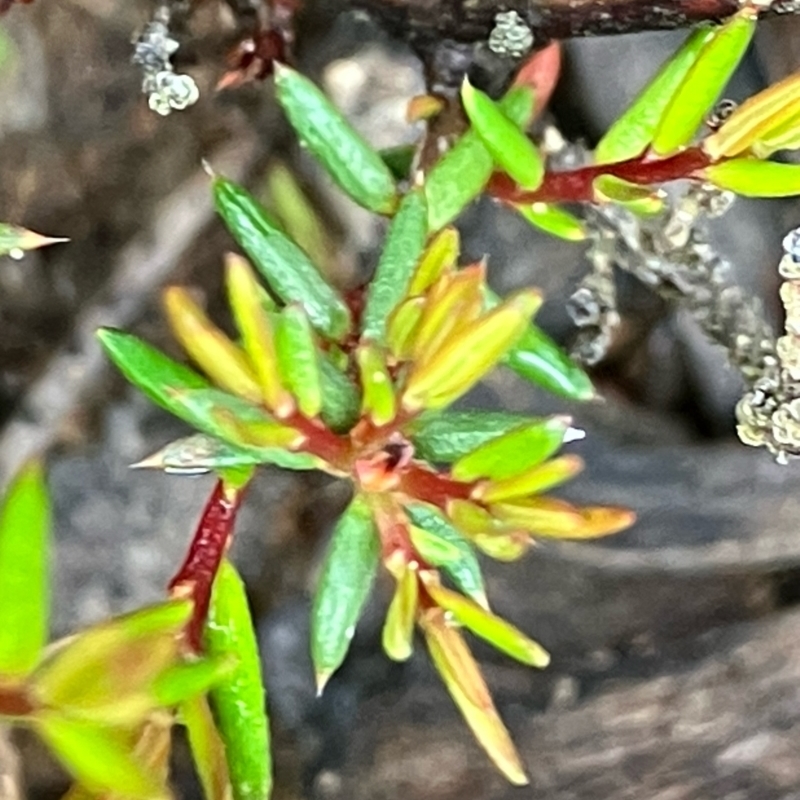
199, 454
704, 82
238, 701
340, 400
98, 758
440, 257
298, 360
499, 633
538, 359
15, 240
433, 549
351, 162
445, 436
285, 266
184, 681
535, 480
750, 177
462, 173
108, 672
25, 594
398, 630
633, 131
344, 585
642, 200
514, 452
402, 250
510, 148
208, 749
464, 571
553, 220
379, 401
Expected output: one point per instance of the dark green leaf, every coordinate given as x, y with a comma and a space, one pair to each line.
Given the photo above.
238, 701
399, 160
351, 162
402, 250
285, 266
25, 593
343, 588
464, 571
99, 759
340, 400
445, 436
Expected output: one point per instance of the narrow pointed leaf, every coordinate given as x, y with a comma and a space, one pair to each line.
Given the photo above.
287, 269
186, 680
440, 256
379, 401
98, 758
546, 516
499, 633
464, 359
509, 147
633, 131
513, 453
538, 359
298, 359
14, 241
404, 245
554, 220
200, 454
538, 479
402, 327
463, 172
703, 83
783, 137
24, 549
642, 200
238, 701
464, 571
445, 436
344, 585
433, 549
208, 749
750, 177
258, 338
223, 361
350, 161
458, 670
398, 629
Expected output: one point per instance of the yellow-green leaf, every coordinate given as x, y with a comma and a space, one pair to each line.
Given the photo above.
538, 479
298, 359
208, 749
553, 220
398, 629
378, 397
750, 177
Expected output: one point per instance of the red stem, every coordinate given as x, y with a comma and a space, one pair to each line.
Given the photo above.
14, 702
422, 484
575, 186
196, 576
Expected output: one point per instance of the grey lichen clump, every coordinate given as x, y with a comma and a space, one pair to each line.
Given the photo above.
511, 35
154, 47
769, 414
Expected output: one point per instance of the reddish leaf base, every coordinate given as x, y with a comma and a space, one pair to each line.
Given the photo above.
14, 702
211, 539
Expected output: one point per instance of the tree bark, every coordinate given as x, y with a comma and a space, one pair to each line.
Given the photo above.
472, 20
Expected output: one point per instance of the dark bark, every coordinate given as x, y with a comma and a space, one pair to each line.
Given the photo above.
472, 20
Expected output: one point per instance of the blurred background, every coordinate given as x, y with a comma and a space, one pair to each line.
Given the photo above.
676, 669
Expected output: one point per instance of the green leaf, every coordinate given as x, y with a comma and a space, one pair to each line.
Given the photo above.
399, 160
344, 585
298, 361
340, 400
208, 749
15, 240
538, 359
703, 83
351, 162
464, 571
642, 200
379, 401
238, 701
199, 454
25, 594
445, 436
633, 131
190, 679
513, 452
397, 636
750, 177
285, 266
553, 220
98, 758
402, 250
510, 148
463, 172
